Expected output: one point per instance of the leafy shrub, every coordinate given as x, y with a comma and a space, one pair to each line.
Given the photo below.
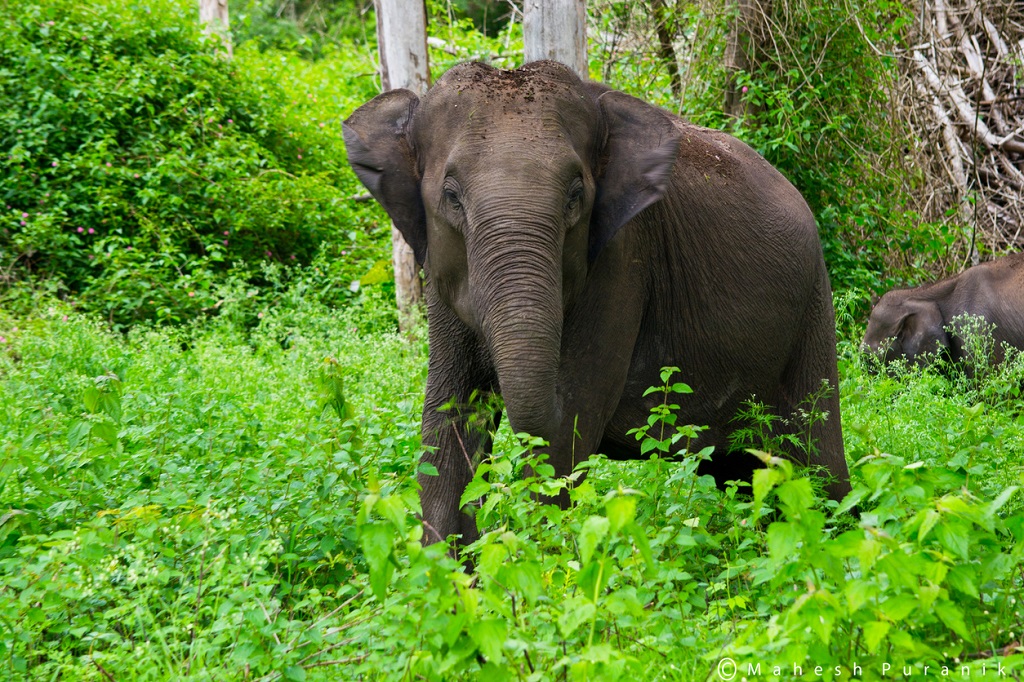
198, 502
140, 169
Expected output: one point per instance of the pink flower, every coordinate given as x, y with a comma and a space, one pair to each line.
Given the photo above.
64, 318
108, 164
269, 254
300, 156
191, 294
54, 164
136, 175
225, 242
24, 215
81, 230
92, 231
3, 339
259, 315
293, 256
226, 233
23, 223
744, 88
231, 120
128, 248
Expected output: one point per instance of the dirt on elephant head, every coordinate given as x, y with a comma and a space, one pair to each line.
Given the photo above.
526, 83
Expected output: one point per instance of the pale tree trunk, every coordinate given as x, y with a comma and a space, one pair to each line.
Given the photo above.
402, 44
213, 15
556, 29
747, 32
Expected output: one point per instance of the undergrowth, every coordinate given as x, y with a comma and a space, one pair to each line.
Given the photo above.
210, 503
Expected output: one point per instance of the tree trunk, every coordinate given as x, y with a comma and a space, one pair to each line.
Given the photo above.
666, 29
402, 44
747, 31
556, 29
213, 15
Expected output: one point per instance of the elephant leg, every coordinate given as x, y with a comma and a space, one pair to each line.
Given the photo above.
453, 430
813, 360
598, 345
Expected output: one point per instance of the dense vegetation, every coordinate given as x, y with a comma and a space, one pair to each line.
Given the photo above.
232, 496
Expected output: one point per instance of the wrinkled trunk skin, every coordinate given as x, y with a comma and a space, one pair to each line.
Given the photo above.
516, 284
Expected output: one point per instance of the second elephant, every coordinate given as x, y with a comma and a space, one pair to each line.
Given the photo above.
914, 324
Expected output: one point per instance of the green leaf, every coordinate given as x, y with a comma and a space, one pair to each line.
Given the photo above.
952, 616
621, 510
593, 531
796, 495
427, 469
294, 673
1001, 499
490, 635
105, 431
577, 610
929, 518
381, 272
393, 509
476, 489
525, 578
764, 480
895, 609
592, 578
961, 579
91, 397
954, 537
874, 633
783, 539
377, 540
642, 544
79, 431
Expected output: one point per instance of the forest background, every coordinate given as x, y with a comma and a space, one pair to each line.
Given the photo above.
210, 424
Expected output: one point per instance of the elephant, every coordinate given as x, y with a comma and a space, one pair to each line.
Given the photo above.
915, 324
574, 241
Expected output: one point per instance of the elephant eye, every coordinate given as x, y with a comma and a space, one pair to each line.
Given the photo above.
575, 196
573, 200
451, 195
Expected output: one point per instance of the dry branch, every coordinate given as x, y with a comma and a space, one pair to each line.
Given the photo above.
962, 96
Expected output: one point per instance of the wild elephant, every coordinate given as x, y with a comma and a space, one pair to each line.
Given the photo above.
914, 324
576, 240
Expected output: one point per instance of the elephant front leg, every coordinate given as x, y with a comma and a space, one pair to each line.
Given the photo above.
456, 422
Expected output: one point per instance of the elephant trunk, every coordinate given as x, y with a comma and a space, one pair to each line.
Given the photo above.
515, 276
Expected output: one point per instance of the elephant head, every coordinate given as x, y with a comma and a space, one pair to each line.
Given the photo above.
508, 185
904, 326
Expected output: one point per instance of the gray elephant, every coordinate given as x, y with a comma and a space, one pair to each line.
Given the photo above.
576, 240
913, 323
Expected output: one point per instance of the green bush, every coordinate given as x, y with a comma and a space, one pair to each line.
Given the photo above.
202, 503
141, 170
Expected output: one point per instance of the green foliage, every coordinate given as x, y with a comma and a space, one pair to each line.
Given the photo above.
144, 172
818, 108
201, 503
309, 28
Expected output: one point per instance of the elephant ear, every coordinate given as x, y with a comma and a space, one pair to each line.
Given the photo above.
638, 155
921, 330
379, 151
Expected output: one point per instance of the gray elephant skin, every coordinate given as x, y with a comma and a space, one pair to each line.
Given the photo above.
913, 324
575, 240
